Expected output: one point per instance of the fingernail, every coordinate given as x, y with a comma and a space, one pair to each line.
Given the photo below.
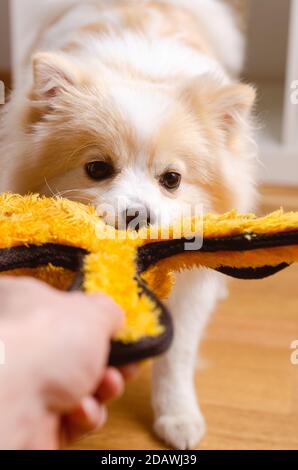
94, 412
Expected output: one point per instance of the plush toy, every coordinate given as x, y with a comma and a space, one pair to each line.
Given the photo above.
67, 245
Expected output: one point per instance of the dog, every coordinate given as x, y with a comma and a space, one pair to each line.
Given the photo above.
139, 101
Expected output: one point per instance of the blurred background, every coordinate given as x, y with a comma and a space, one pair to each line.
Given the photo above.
249, 390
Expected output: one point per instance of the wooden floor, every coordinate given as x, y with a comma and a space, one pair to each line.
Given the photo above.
247, 385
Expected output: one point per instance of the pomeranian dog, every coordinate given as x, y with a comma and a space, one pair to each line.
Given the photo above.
139, 101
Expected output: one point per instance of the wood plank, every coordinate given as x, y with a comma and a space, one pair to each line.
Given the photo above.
274, 197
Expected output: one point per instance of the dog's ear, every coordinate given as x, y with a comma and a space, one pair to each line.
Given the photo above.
230, 105
52, 74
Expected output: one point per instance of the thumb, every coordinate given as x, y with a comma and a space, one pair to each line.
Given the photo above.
111, 314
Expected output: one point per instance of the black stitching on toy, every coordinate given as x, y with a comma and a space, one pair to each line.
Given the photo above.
151, 253
147, 347
252, 273
72, 258
34, 256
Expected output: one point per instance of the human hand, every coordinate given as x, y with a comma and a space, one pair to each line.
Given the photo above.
55, 381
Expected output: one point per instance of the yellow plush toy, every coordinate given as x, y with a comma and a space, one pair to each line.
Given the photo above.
67, 245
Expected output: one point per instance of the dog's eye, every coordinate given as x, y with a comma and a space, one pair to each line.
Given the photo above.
99, 170
170, 180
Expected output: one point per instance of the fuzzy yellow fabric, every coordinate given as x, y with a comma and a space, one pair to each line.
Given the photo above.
160, 276
161, 281
111, 267
59, 278
232, 223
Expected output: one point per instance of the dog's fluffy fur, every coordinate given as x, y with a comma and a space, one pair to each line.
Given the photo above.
152, 86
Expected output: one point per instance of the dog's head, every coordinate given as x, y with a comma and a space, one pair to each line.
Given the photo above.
130, 145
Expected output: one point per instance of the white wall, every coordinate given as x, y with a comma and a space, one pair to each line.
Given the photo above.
267, 39
24, 26
4, 35
272, 65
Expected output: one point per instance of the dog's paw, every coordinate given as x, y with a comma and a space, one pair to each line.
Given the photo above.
182, 432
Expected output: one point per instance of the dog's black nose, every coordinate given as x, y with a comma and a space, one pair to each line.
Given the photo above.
137, 217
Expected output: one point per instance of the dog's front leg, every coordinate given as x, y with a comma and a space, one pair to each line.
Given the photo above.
178, 419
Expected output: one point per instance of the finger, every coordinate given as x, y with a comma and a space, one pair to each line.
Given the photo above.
87, 340
110, 313
88, 417
129, 372
90, 414
111, 387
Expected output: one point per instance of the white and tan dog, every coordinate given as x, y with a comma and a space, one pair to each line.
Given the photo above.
138, 101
